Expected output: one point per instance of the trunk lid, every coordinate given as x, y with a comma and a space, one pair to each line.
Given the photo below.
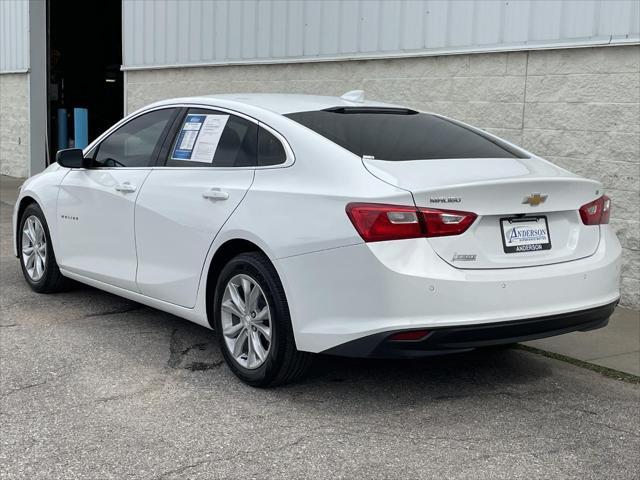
497, 190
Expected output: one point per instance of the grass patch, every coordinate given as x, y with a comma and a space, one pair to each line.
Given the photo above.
607, 372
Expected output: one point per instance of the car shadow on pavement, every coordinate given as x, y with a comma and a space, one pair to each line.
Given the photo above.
134, 337
194, 348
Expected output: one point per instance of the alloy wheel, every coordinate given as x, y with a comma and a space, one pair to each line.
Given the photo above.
34, 248
246, 321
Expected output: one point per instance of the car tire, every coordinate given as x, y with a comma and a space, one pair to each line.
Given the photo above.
40, 268
246, 336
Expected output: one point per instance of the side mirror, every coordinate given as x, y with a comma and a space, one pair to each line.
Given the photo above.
72, 158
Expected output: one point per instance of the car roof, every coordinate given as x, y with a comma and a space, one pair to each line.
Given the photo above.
281, 103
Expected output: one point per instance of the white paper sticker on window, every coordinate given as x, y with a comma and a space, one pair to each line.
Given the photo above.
207, 142
198, 140
188, 140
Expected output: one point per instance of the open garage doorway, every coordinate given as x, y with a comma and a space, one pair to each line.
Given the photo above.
84, 55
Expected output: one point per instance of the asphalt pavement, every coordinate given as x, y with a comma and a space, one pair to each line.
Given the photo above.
93, 386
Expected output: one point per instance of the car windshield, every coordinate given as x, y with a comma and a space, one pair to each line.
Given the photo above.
400, 134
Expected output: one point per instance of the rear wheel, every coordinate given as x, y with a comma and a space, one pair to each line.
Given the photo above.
253, 323
37, 258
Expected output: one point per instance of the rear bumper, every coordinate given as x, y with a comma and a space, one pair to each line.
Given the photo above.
466, 337
343, 294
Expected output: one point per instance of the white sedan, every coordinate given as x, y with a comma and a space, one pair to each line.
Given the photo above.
296, 224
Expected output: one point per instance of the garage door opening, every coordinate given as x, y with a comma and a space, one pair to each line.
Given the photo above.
83, 67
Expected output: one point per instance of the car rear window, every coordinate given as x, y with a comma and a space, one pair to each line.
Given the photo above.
400, 134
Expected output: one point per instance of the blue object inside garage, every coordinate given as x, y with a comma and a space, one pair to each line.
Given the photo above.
81, 127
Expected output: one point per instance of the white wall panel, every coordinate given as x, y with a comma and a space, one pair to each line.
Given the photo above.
295, 29
546, 21
249, 28
14, 36
436, 26
412, 35
515, 23
348, 33
220, 19
369, 21
264, 26
390, 26
487, 23
330, 44
160, 33
312, 27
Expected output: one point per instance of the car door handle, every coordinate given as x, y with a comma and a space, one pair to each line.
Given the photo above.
125, 187
215, 194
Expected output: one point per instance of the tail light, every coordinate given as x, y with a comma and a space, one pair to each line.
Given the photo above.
596, 212
378, 222
442, 223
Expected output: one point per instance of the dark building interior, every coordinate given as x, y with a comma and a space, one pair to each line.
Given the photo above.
84, 59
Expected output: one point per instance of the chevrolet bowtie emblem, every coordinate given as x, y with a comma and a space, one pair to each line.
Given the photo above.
535, 199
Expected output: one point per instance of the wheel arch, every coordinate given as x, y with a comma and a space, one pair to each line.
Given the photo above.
24, 202
223, 254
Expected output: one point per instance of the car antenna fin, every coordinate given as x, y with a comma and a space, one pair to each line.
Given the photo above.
354, 96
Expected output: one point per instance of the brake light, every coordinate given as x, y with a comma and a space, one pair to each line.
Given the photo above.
596, 212
378, 222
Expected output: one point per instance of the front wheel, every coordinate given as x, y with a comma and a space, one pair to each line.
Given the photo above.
253, 323
37, 258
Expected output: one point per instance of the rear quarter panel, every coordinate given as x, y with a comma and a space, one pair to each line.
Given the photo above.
298, 210
301, 208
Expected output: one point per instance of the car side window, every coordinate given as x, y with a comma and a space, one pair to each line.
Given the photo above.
134, 144
270, 149
209, 138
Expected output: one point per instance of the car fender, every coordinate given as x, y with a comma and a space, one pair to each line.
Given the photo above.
43, 189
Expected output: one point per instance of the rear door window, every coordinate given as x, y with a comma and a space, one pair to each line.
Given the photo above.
400, 134
210, 138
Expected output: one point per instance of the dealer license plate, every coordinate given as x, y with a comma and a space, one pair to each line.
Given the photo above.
525, 234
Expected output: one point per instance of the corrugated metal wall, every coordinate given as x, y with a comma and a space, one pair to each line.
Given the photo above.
191, 32
14, 35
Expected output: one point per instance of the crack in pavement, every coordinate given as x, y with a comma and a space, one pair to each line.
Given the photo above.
34, 385
25, 387
199, 346
178, 351
175, 353
90, 402
124, 396
203, 461
201, 366
115, 311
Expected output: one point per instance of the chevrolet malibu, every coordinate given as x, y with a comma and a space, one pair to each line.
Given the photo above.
296, 224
